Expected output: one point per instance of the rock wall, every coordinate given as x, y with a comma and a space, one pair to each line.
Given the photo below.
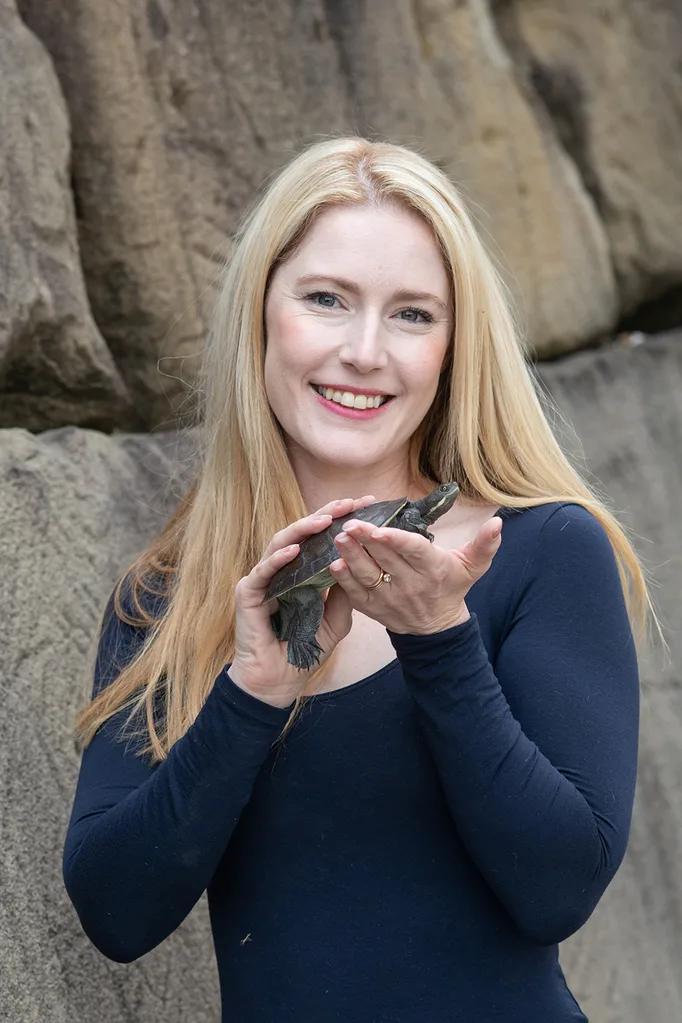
76, 506
54, 363
626, 407
605, 74
132, 137
563, 130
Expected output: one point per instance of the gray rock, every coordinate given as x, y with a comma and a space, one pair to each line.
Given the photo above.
625, 404
76, 506
181, 112
54, 364
610, 77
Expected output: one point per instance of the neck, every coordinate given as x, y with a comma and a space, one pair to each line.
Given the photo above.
322, 482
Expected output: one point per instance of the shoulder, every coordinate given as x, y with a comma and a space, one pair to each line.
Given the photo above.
564, 555
558, 544
555, 522
570, 526
135, 603
129, 613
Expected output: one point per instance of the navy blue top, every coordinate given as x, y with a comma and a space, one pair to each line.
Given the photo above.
424, 837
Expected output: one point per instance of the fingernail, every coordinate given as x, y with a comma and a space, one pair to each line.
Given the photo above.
341, 538
496, 531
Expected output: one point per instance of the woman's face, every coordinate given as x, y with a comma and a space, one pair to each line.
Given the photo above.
363, 308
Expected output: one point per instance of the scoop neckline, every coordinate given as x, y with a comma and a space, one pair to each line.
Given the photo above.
354, 685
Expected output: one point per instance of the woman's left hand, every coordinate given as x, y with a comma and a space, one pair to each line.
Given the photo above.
428, 583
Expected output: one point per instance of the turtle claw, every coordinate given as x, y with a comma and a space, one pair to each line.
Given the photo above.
303, 654
296, 622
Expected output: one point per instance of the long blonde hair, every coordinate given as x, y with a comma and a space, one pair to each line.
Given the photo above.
487, 429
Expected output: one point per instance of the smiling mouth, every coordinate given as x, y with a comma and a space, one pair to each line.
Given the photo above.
350, 400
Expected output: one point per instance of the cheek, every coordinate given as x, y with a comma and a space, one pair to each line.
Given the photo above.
287, 345
422, 374
288, 358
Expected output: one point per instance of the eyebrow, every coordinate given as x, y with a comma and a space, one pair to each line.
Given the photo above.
343, 282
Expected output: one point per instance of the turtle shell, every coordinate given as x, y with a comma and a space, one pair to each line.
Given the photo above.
319, 550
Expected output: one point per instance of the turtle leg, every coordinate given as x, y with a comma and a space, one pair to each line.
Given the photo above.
296, 621
412, 522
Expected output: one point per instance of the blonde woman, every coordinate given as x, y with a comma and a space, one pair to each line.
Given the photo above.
405, 832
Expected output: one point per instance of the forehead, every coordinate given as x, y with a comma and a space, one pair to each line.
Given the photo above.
389, 243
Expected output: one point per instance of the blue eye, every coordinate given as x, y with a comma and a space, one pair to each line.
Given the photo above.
323, 294
426, 317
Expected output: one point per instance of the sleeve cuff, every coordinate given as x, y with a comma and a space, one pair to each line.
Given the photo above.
245, 703
421, 655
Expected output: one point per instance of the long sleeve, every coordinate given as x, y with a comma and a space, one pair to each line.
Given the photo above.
144, 840
537, 754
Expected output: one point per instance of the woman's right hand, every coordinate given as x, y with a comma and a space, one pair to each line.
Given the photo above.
260, 665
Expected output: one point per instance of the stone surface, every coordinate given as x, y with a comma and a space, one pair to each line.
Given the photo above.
181, 113
76, 506
436, 74
625, 405
610, 75
54, 364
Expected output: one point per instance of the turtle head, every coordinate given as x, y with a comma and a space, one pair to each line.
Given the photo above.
437, 502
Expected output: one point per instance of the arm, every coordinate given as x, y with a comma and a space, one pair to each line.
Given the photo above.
538, 757
144, 840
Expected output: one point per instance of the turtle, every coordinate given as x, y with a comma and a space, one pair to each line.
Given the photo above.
298, 586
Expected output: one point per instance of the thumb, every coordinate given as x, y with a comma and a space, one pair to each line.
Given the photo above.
338, 612
485, 544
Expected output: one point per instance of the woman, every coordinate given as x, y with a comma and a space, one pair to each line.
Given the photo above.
457, 794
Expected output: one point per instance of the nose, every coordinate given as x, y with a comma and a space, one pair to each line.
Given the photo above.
365, 345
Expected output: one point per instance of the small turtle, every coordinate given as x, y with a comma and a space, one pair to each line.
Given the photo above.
298, 586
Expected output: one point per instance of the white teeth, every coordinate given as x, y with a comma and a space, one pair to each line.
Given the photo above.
350, 400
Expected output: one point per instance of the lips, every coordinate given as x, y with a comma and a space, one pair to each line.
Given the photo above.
366, 408
352, 399
353, 390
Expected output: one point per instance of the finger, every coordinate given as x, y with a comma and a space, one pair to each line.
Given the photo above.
315, 522
353, 586
388, 546
298, 531
359, 561
382, 550
418, 554
485, 542
251, 589
478, 553
361, 502
347, 506
342, 506
358, 593
338, 613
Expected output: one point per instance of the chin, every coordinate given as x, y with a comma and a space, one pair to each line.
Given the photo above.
347, 460
343, 458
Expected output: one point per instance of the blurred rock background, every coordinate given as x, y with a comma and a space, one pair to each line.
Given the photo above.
132, 136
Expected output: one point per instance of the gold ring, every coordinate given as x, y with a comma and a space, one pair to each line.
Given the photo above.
384, 577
